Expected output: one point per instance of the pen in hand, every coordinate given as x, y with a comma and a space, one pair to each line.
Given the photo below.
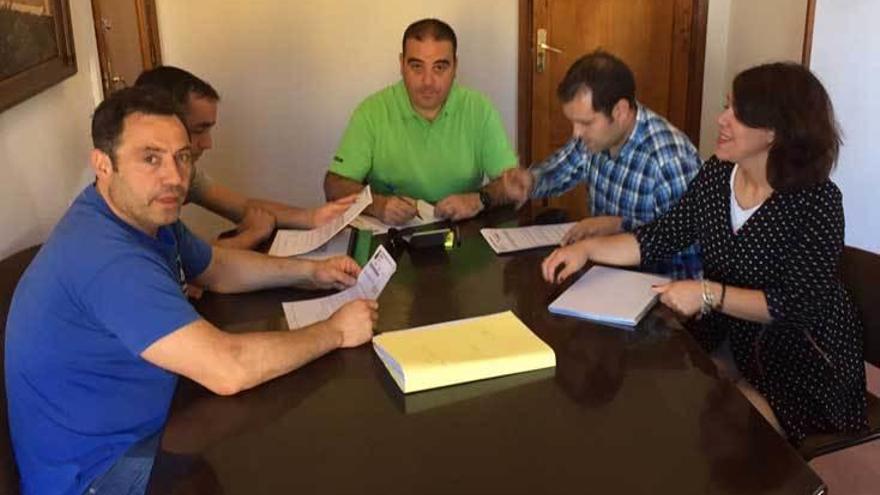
412, 202
415, 204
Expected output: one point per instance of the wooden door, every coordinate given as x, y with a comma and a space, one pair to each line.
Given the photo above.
662, 41
128, 40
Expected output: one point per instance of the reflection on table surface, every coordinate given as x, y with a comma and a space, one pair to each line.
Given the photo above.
625, 411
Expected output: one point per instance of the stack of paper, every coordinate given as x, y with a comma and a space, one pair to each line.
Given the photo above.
378, 227
373, 278
609, 295
294, 242
522, 238
461, 351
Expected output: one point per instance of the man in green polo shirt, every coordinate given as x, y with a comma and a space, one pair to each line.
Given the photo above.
424, 137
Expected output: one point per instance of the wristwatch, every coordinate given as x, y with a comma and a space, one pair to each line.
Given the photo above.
485, 199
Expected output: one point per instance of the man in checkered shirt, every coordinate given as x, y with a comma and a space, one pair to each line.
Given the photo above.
635, 163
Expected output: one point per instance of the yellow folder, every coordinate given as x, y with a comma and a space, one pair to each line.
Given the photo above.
461, 351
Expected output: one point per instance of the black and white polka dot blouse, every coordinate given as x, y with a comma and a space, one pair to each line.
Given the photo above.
807, 363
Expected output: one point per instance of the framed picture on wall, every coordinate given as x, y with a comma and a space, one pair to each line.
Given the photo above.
36, 47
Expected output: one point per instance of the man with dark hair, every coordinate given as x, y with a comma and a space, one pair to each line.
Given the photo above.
635, 163
99, 327
422, 138
197, 102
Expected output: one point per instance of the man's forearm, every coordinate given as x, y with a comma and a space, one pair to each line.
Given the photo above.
241, 240
233, 271
263, 356
337, 186
227, 363
495, 190
286, 216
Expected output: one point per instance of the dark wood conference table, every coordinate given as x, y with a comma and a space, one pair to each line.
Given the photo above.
624, 412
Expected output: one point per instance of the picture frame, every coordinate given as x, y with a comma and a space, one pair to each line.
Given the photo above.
36, 50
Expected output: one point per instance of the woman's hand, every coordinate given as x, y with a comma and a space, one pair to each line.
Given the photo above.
570, 258
685, 297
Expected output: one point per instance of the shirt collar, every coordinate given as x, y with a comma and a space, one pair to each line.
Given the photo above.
640, 130
164, 239
450, 106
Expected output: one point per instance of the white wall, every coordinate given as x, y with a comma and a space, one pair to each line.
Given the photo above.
714, 73
846, 56
741, 34
44, 145
290, 73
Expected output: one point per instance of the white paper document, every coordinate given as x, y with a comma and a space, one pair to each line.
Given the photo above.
609, 295
522, 238
294, 242
373, 278
378, 227
337, 246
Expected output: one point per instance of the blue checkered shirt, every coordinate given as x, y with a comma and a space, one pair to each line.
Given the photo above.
648, 176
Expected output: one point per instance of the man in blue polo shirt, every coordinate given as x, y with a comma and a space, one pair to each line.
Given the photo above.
99, 326
424, 137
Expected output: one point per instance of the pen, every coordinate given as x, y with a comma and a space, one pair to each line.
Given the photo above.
414, 203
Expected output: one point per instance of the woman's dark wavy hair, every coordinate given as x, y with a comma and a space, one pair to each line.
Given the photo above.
788, 99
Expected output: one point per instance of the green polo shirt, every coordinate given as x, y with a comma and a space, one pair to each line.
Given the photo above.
389, 146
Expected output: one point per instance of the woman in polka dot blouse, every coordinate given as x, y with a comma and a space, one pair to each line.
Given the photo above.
770, 307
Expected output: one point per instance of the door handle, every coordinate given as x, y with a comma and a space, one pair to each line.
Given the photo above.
543, 48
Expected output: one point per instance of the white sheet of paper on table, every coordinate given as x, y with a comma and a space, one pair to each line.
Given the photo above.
521, 238
378, 227
337, 246
373, 278
294, 242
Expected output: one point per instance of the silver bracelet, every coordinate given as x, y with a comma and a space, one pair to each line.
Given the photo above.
708, 303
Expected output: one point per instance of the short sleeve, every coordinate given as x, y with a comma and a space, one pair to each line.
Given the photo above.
496, 154
354, 157
138, 299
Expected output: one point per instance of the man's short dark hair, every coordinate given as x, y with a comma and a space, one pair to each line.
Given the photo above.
430, 28
178, 82
790, 100
609, 79
109, 117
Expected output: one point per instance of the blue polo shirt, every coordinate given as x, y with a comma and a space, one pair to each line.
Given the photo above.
97, 294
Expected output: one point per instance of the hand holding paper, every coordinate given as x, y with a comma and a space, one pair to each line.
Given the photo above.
354, 322
372, 279
335, 273
294, 242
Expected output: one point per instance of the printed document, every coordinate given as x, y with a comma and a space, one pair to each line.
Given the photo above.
522, 238
337, 246
294, 242
373, 278
378, 227
609, 295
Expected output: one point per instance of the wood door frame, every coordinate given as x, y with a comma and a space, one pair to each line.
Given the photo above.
808, 33
148, 38
696, 63
148, 29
